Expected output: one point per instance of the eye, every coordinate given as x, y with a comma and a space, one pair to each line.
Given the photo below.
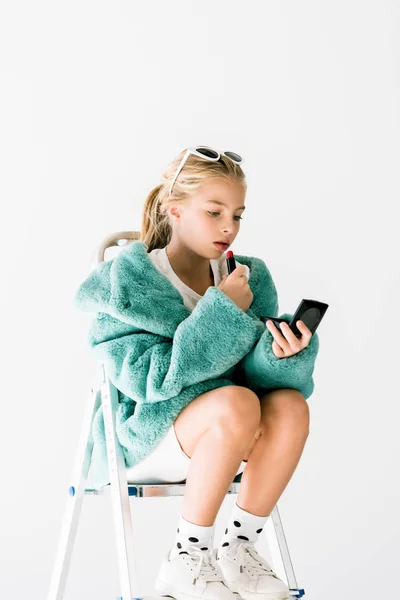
212, 213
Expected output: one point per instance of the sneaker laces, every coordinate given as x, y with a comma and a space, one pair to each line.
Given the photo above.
207, 567
249, 559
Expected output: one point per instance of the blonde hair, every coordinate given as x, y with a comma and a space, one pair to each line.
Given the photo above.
156, 230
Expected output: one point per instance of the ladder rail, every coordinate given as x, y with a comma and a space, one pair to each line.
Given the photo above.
119, 491
284, 550
74, 502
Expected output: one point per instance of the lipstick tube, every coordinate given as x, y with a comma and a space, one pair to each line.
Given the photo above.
230, 261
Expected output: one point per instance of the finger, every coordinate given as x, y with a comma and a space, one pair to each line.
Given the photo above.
278, 337
291, 338
304, 330
239, 271
277, 350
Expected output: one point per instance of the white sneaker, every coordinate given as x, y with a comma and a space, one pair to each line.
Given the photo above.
192, 574
249, 574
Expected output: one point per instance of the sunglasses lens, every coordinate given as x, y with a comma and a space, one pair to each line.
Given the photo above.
207, 152
233, 156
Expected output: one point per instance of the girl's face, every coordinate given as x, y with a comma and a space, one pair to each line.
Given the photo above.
201, 221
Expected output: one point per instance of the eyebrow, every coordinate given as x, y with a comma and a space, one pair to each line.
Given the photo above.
223, 204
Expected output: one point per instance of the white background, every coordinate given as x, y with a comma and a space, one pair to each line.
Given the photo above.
96, 99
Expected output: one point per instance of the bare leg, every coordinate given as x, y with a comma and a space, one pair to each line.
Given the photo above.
230, 417
213, 467
273, 458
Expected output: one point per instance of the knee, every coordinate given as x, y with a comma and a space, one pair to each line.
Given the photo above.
239, 410
288, 406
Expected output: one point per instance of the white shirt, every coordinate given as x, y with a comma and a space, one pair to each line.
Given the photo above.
159, 258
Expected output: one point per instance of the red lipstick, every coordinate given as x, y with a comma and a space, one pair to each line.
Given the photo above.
230, 261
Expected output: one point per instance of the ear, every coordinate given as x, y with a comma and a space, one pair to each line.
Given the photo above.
174, 212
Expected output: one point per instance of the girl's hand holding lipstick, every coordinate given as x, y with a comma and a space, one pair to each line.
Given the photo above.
283, 348
235, 284
236, 287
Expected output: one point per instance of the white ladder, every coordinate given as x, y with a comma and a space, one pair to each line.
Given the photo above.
121, 491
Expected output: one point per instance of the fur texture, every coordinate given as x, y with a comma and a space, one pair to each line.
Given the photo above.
160, 355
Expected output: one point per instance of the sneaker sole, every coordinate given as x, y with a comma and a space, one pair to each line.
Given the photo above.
259, 595
167, 589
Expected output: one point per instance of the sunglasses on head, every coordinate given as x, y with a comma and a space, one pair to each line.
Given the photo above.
208, 154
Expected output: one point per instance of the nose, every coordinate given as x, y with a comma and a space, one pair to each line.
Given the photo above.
227, 230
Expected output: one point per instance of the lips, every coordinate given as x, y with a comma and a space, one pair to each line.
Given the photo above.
221, 246
222, 242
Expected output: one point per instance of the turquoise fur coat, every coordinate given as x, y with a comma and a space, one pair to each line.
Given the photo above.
160, 355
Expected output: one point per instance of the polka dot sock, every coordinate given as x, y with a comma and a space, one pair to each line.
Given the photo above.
242, 526
190, 534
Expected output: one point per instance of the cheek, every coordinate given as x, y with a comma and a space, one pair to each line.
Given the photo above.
200, 225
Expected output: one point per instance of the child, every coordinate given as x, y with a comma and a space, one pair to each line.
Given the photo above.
206, 390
